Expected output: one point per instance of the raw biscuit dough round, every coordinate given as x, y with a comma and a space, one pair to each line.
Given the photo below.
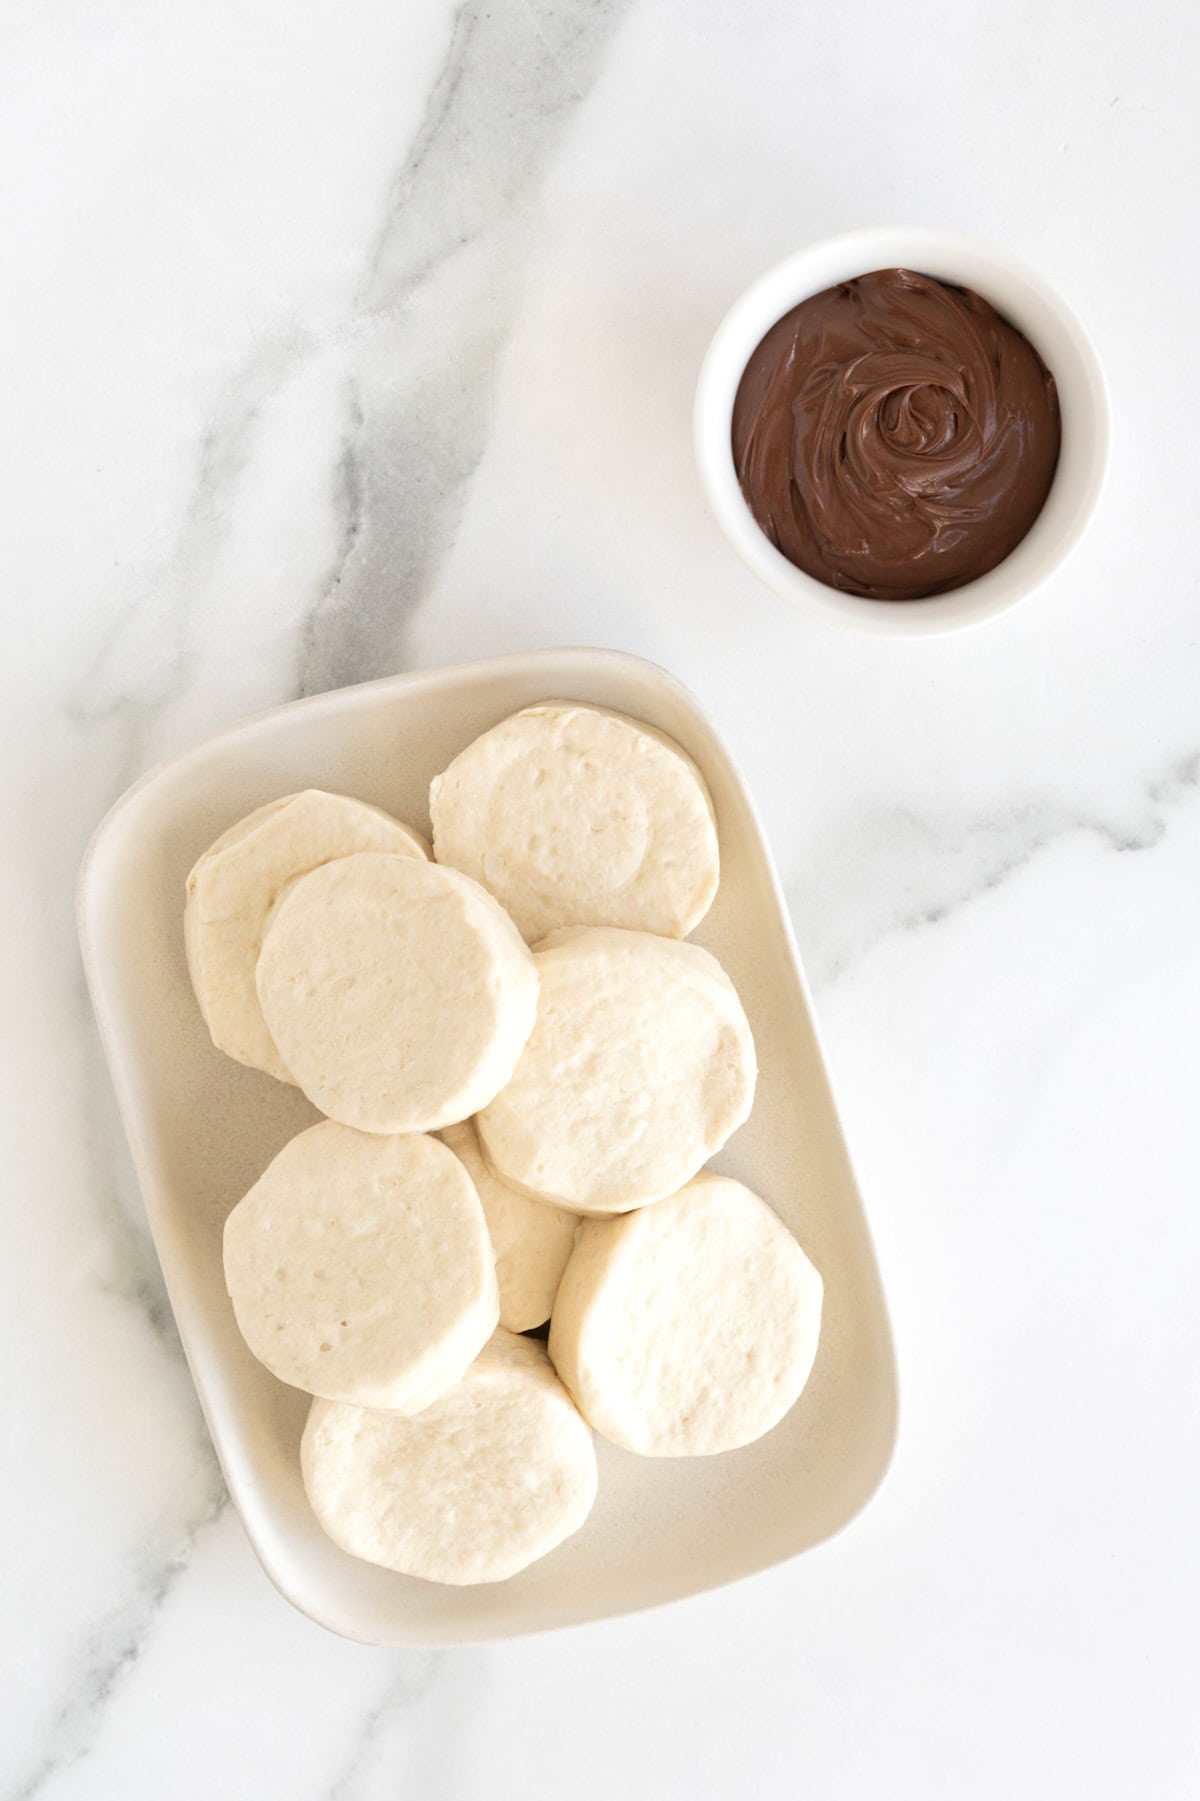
575, 815
231, 891
360, 1268
688, 1328
640, 1066
492, 1476
532, 1239
399, 994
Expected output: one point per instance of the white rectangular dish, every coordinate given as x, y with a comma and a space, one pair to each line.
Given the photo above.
202, 1128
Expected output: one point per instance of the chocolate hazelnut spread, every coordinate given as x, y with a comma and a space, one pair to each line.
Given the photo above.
894, 436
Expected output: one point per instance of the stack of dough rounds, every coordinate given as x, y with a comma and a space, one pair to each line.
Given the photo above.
231, 891
360, 1268
577, 1087
491, 1477
399, 994
688, 1328
573, 815
640, 1066
532, 1240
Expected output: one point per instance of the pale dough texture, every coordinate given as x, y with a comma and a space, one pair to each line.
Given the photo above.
688, 1328
640, 1066
574, 815
234, 885
494, 1475
399, 994
532, 1239
360, 1268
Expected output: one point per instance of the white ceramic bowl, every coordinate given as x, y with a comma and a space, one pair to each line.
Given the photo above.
202, 1128
1022, 297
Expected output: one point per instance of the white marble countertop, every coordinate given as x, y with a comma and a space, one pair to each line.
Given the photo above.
351, 336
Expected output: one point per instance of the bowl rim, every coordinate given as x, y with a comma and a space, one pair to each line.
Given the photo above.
1014, 288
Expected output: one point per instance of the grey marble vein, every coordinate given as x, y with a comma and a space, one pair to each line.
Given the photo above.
440, 292
113, 1646
417, 1738
411, 1682
895, 871
144, 659
422, 344
110, 1649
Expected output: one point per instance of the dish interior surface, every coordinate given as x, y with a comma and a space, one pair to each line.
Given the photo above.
202, 1128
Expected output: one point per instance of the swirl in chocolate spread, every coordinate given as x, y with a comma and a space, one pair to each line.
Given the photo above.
894, 436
